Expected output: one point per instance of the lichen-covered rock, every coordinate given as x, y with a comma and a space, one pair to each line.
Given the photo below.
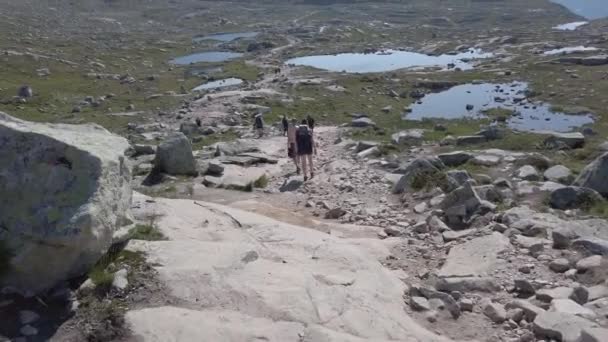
64, 189
594, 176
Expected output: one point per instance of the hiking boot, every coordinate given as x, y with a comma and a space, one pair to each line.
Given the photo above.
305, 178
298, 170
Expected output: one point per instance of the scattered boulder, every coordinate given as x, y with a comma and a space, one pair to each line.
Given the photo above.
589, 263
291, 184
537, 160
416, 168
460, 205
190, 129
495, 312
559, 174
559, 265
455, 158
593, 335
365, 145
215, 168
569, 306
562, 141
78, 187
25, 92
420, 304
592, 245
470, 140
594, 176
335, 213
363, 123
560, 326
174, 156
572, 197
486, 160
491, 133
527, 172
408, 137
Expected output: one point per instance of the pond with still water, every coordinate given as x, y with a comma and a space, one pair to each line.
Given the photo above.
226, 37
387, 61
528, 116
228, 82
208, 57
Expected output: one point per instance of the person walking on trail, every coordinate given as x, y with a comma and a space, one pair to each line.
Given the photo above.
258, 125
306, 147
310, 122
292, 146
285, 125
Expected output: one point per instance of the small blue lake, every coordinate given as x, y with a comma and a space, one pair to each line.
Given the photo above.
471, 100
228, 82
387, 61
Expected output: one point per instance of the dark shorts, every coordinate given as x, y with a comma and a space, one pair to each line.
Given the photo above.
291, 151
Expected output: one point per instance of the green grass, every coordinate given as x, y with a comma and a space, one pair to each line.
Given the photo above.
239, 69
261, 182
209, 140
147, 232
101, 277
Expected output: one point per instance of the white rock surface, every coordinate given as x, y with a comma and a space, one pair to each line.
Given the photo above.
475, 258
64, 190
269, 280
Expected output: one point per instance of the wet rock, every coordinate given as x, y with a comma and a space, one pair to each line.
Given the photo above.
560, 265
559, 174
565, 141
527, 172
174, 156
594, 176
494, 311
572, 197
291, 184
455, 158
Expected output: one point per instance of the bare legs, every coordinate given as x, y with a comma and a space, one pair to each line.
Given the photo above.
306, 161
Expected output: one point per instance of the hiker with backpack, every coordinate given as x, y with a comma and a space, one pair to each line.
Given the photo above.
305, 148
258, 125
292, 146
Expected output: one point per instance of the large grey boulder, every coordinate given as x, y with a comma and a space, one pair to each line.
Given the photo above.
594, 60
460, 204
64, 190
174, 156
571, 197
594, 176
527, 172
559, 174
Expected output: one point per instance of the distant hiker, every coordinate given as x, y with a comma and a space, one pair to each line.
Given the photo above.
198, 122
292, 146
306, 146
258, 125
285, 125
311, 122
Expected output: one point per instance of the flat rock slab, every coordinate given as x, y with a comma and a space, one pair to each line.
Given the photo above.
287, 280
474, 258
560, 326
